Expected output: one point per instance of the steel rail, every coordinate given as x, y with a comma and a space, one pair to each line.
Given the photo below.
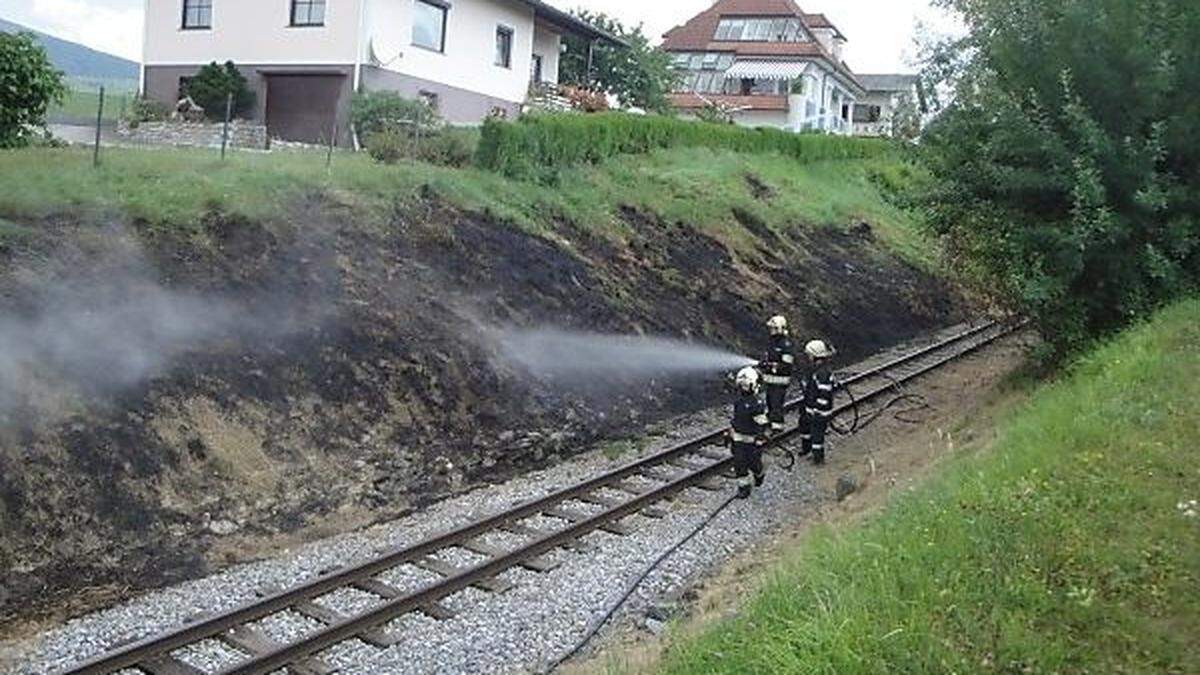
436, 591
130, 656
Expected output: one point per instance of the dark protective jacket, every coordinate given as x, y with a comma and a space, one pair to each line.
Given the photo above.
818, 393
749, 418
780, 362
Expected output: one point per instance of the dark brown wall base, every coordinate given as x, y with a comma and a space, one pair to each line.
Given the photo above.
457, 106
162, 84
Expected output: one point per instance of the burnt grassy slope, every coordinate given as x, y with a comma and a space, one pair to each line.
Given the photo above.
182, 392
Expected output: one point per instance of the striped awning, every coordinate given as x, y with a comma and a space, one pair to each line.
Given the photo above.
766, 70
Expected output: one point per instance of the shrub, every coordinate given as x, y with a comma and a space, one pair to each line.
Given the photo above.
28, 85
1066, 171
214, 83
378, 111
586, 100
538, 147
388, 146
449, 147
146, 110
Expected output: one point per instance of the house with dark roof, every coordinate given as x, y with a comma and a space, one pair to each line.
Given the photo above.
766, 63
305, 58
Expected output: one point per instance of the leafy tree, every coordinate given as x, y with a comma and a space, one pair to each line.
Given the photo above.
1067, 162
639, 75
214, 83
29, 84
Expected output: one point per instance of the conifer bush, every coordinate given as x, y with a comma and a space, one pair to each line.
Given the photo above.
537, 147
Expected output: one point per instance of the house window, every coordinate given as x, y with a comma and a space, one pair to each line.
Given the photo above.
429, 25
536, 69
197, 14
504, 42
702, 72
430, 99
865, 114
182, 92
308, 12
775, 29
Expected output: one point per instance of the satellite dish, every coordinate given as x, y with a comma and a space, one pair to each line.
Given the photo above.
386, 45
384, 52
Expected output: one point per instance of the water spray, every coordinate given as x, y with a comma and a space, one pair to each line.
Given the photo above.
552, 354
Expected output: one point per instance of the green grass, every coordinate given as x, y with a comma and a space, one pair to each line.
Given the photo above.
1059, 550
81, 106
698, 187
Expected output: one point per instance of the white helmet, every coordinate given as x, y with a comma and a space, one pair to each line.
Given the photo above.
819, 350
778, 325
747, 379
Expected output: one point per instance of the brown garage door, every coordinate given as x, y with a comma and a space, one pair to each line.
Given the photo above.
302, 107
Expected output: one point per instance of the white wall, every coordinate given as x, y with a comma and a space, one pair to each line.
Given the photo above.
250, 31
469, 60
762, 118
547, 43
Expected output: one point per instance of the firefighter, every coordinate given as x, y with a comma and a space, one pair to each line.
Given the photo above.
777, 367
818, 401
748, 435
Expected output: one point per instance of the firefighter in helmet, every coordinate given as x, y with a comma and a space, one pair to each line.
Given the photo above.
818, 400
748, 434
777, 368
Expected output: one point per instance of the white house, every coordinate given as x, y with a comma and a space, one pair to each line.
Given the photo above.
766, 61
305, 58
887, 95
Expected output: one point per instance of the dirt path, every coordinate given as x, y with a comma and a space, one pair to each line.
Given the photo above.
889, 457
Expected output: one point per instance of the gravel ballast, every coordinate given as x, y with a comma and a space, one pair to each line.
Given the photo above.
541, 617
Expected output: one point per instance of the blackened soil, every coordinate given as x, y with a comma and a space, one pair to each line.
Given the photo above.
369, 384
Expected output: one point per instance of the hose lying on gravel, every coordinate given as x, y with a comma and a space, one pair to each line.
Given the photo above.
860, 423
633, 585
917, 403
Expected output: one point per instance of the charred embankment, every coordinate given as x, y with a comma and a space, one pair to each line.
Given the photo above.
170, 396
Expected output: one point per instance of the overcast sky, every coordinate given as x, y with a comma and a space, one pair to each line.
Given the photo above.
880, 31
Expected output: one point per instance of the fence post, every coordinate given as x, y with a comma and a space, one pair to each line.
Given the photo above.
332, 142
99, 121
225, 128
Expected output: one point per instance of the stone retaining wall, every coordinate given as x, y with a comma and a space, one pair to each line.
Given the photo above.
242, 134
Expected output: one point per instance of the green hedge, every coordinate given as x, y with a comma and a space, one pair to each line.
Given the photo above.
538, 147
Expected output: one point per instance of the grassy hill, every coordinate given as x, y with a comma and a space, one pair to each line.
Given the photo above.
1067, 547
85, 67
340, 316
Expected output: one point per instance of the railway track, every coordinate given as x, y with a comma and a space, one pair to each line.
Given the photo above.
599, 503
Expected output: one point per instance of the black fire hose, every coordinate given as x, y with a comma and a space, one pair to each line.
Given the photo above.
632, 587
918, 403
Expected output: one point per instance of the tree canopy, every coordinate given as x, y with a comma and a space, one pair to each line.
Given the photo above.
639, 75
1067, 164
29, 84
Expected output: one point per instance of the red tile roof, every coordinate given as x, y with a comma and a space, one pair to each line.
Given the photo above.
822, 21
697, 35
764, 102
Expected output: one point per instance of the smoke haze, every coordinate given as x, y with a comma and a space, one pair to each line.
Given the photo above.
96, 334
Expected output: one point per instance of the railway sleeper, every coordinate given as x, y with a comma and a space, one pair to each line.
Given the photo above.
533, 533
165, 664
376, 638
445, 569
254, 642
536, 564
690, 467
573, 517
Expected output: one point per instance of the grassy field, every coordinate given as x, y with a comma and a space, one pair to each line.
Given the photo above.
174, 188
80, 106
1062, 549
